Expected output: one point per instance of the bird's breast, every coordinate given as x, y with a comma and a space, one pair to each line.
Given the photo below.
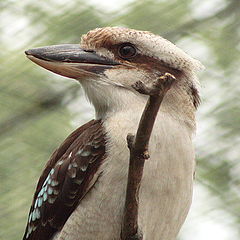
166, 188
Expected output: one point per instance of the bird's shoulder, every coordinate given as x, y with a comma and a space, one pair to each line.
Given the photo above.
66, 178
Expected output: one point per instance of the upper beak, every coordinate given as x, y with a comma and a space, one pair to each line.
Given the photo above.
70, 60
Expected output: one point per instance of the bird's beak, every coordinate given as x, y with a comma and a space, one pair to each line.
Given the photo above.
70, 60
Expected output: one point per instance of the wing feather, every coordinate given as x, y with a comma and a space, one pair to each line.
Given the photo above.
67, 177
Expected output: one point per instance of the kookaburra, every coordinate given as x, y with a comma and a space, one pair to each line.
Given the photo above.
81, 192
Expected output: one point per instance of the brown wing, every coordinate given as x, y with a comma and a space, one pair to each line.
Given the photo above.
66, 179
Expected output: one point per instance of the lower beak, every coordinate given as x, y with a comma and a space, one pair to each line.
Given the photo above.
70, 60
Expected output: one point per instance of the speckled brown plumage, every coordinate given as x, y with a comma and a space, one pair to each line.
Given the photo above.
105, 37
69, 173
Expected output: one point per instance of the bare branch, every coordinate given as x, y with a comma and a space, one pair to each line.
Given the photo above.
138, 146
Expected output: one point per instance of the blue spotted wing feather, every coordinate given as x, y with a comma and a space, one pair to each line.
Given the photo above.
66, 179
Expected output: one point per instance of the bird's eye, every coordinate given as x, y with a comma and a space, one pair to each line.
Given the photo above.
127, 51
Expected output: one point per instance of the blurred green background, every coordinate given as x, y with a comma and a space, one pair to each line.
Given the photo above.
39, 109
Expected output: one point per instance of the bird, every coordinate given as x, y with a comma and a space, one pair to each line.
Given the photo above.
81, 191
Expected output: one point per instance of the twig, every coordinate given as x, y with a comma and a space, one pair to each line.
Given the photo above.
138, 147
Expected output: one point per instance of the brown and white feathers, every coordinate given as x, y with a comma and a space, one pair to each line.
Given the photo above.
67, 177
80, 194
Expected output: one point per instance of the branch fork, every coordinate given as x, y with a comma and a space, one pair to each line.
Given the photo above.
159, 87
138, 147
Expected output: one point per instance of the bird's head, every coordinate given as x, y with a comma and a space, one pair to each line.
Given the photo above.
109, 60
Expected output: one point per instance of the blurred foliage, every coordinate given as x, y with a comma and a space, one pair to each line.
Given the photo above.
35, 113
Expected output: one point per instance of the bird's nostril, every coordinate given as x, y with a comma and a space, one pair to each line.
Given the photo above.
89, 50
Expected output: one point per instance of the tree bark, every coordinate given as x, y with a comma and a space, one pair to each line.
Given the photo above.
138, 146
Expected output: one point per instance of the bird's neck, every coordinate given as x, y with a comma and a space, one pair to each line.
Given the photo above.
110, 101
